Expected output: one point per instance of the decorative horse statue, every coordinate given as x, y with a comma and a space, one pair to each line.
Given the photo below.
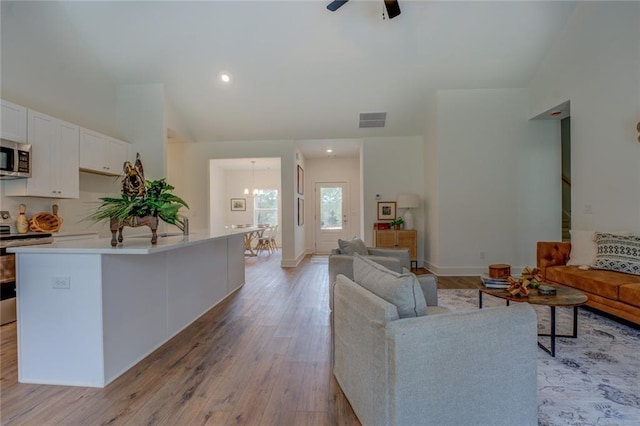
133, 185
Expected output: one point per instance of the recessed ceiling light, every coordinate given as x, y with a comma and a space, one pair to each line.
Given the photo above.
329, 150
225, 78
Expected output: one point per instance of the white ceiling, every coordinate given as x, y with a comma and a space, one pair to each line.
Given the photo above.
302, 72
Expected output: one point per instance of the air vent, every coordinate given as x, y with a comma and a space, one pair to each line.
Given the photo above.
372, 119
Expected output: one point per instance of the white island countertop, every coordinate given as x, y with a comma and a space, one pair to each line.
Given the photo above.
95, 313
133, 244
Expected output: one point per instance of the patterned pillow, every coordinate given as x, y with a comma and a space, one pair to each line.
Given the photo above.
619, 253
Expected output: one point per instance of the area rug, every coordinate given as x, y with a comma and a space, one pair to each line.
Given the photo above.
593, 379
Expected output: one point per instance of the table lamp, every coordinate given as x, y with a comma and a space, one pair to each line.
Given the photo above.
408, 201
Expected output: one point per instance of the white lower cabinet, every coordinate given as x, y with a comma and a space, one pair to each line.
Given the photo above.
54, 159
102, 154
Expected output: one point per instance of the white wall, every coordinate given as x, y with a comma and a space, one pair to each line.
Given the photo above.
216, 190
37, 73
332, 170
498, 184
140, 118
198, 156
595, 64
392, 166
299, 230
431, 202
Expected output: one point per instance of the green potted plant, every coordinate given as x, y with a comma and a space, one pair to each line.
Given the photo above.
156, 203
397, 223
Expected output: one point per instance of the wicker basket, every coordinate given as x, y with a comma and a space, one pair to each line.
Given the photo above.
45, 222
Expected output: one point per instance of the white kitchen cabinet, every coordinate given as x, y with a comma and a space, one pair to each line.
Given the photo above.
14, 122
55, 159
102, 154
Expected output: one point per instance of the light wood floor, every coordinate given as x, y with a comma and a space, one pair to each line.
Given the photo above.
261, 357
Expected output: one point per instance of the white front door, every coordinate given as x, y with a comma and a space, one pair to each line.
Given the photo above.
331, 215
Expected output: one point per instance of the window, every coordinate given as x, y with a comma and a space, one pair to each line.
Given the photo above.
331, 208
265, 207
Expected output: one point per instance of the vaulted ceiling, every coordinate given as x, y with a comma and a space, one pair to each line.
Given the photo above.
299, 71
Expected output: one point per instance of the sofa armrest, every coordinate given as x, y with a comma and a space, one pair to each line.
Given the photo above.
402, 254
551, 253
360, 352
481, 362
429, 285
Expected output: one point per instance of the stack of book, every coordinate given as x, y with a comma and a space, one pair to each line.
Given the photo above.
494, 282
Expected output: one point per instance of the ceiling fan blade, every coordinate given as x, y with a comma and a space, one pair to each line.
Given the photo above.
336, 4
393, 8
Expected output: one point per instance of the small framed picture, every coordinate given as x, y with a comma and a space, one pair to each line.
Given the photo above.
300, 181
386, 210
238, 204
300, 211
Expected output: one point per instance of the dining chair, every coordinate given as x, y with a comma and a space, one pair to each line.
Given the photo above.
264, 241
272, 238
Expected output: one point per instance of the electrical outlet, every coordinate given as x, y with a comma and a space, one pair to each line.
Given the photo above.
61, 283
482, 254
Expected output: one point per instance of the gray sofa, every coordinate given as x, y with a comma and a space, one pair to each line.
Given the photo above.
457, 368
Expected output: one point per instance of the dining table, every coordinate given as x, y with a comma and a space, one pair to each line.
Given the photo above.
251, 233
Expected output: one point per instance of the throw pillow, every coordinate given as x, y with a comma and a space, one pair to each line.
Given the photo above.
353, 246
619, 253
403, 290
583, 248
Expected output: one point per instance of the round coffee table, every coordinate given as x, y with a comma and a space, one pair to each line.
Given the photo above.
564, 297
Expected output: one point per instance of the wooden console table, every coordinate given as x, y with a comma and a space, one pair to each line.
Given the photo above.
402, 238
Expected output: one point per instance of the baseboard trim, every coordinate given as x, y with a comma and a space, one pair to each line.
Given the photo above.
293, 263
465, 270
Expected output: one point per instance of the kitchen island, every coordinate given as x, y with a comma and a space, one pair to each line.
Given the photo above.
87, 312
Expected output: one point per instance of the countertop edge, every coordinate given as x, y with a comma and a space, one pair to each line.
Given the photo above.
139, 244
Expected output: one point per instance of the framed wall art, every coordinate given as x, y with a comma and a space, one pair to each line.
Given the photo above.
386, 210
300, 181
238, 204
300, 211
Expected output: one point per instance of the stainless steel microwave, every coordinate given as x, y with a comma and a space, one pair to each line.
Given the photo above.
15, 159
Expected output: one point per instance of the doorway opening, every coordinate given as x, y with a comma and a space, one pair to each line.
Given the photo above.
565, 140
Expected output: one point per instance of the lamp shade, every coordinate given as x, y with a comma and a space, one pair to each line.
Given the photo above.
408, 201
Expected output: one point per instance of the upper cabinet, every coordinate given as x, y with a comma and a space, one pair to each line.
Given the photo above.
55, 159
102, 154
14, 122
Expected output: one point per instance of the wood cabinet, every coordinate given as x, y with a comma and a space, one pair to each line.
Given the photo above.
403, 238
102, 154
14, 122
54, 159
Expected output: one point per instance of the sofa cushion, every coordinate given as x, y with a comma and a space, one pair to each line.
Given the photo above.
601, 282
353, 246
403, 290
630, 293
583, 248
619, 253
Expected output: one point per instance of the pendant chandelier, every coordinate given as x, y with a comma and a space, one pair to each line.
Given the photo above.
253, 186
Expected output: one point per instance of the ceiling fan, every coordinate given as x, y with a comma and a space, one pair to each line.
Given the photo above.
392, 6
